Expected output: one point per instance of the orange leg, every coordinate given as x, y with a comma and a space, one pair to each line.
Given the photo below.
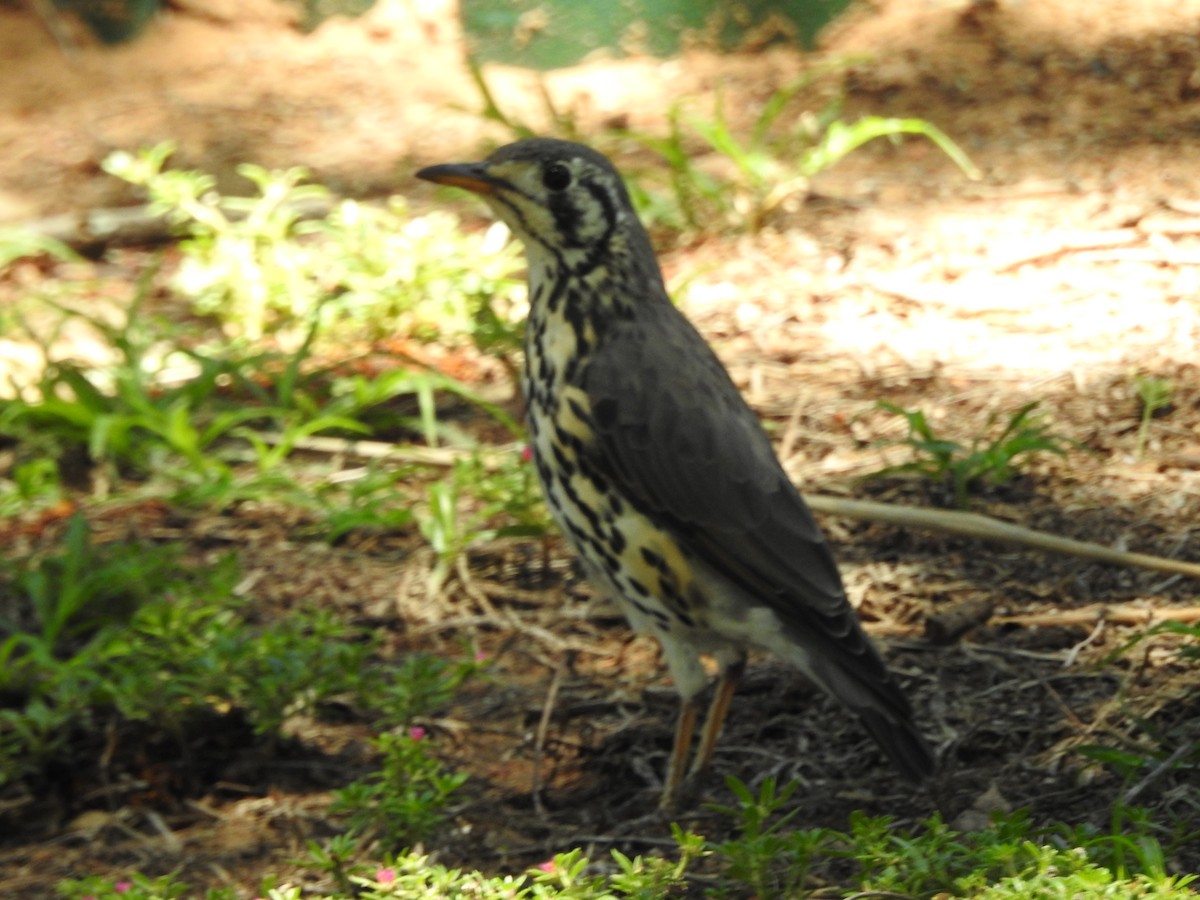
685, 727
722, 698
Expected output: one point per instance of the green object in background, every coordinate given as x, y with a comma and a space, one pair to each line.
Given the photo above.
548, 34
112, 21
314, 12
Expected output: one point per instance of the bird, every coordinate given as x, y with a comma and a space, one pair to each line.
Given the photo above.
658, 472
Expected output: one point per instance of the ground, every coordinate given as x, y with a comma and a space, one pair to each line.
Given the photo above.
1069, 267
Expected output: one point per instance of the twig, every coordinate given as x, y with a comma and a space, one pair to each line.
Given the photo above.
947, 626
1074, 651
480, 597
1157, 772
100, 229
539, 742
1118, 615
442, 457
1072, 243
948, 521
52, 21
985, 527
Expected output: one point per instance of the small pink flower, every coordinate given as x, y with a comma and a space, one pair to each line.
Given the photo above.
385, 876
547, 866
122, 887
417, 733
526, 453
480, 656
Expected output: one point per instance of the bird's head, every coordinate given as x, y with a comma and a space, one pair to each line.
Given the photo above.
561, 199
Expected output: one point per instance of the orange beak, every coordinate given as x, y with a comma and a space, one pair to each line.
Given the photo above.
468, 176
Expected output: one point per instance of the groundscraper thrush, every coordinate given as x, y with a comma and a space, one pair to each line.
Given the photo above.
655, 468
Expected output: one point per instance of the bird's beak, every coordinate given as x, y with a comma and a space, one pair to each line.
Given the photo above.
471, 177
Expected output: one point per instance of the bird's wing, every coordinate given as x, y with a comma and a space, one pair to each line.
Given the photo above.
678, 439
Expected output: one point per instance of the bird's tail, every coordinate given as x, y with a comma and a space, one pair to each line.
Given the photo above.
867, 689
899, 738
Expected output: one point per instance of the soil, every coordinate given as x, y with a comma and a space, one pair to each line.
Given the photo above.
1070, 266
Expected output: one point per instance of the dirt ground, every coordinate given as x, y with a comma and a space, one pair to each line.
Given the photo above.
1070, 266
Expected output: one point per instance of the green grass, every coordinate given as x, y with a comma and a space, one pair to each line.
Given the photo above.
1154, 396
771, 166
268, 264
966, 468
1009, 860
771, 161
125, 632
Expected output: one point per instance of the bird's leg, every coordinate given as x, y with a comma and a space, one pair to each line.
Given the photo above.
685, 727
717, 711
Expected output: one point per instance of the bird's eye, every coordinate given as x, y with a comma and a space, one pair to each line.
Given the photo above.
556, 177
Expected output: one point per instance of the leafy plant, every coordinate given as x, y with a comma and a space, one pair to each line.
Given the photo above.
240, 259
1169, 754
1012, 859
65, 657
771, 164
1154, 394
263, 265
403, 802
504, 494
69, 595
136, 887
770, 860
18, 243
335, 858
129, 416
115, 632
31, 484
991, 461
559, 122
416, 685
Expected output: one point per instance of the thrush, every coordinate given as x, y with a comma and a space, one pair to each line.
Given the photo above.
655, 468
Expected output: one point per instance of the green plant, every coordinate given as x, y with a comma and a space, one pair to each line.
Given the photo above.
965, 467
416, 685
69, 595
31, 484
404, 801
770, 860
136, 887
128, 414
117, 633
262, 265
652, 877
1011, 859
61, 659
240, 259
376, 501
772, 163
560, 123
335, 858
1154, 394
1165, 753
504, 501
16, 243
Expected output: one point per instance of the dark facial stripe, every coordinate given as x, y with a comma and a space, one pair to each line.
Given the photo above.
501, 197
600, 246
